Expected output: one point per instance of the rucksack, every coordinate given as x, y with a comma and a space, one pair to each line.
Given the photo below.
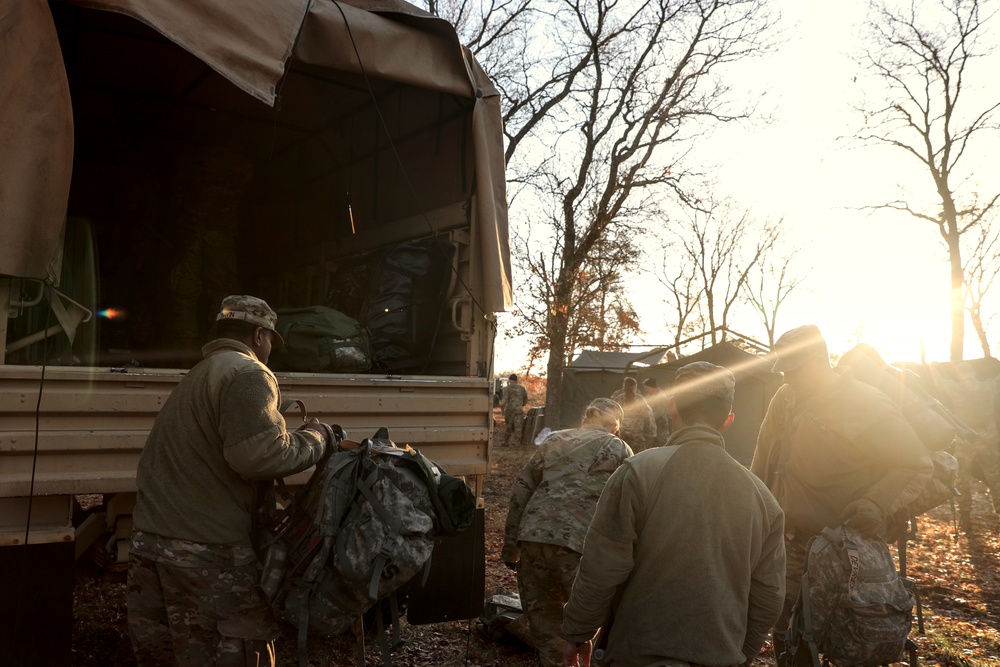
853, 606
319, 339
362, 527
499, 610
403, 306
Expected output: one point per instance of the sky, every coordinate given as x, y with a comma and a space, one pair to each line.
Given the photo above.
879, 278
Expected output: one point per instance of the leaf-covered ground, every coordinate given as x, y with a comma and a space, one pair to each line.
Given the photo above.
958, 578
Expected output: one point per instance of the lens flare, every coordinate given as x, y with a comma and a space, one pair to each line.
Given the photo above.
112, 314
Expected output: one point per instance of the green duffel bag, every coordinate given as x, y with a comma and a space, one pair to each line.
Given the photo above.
321, 340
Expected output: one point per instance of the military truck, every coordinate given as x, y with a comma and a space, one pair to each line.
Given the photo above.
159, 155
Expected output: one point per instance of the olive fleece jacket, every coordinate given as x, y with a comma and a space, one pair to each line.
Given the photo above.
685, 558
218, 435
844, 444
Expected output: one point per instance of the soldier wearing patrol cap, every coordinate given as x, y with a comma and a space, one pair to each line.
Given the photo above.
684, 559
217, 443
550, 508
833, 450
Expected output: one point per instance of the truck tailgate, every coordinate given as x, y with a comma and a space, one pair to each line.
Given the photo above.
92, 423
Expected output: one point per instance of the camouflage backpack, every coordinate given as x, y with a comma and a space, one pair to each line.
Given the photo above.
362, 527
853, 606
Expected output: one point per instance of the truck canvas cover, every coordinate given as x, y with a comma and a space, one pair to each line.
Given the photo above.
253, 44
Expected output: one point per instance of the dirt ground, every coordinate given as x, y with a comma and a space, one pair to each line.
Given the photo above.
958, 578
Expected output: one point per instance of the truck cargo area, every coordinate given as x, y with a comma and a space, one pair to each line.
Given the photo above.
186, 189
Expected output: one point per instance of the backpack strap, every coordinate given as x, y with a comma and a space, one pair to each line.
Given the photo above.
359, 645
282, 409
807, 627
304, 629
668, 453
384, 645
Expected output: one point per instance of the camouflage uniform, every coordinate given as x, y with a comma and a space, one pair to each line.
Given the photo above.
977, 459
545, 578
515, 397
639, 427
551, 506
974, 403
661, 417
197, 604
216, 445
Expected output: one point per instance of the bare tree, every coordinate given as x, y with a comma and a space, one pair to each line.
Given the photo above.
767, 288
684, 298
981, 270
923, 55
638, 82
529, 57
715, 252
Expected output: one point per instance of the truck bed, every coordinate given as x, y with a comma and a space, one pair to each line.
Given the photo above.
92, 423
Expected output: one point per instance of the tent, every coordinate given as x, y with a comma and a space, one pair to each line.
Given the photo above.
594, 374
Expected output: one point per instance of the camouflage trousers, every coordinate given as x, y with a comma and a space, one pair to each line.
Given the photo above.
980, 459
198, 616
545, 577
514, 421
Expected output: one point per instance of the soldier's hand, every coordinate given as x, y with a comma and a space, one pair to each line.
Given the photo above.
314, 425
325, 432
577, 655
864, 516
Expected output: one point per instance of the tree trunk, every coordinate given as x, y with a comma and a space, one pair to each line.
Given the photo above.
957, 300
558, 328
977, 322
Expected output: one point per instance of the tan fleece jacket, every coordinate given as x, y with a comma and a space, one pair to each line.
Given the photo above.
217, 436
847, 443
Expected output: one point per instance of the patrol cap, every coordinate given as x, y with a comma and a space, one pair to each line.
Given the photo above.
607, 406
705, 379
253, 310
797, 346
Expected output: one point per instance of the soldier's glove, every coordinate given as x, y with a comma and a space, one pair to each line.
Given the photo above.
510, 565
864, 516
332, 435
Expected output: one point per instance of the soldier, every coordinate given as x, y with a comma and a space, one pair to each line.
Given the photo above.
214, 450
974, 402
684, 559
832, 450
657, 401
638, 428
550, 508
515, 397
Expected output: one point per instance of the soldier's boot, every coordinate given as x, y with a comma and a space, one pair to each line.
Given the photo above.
965, 521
